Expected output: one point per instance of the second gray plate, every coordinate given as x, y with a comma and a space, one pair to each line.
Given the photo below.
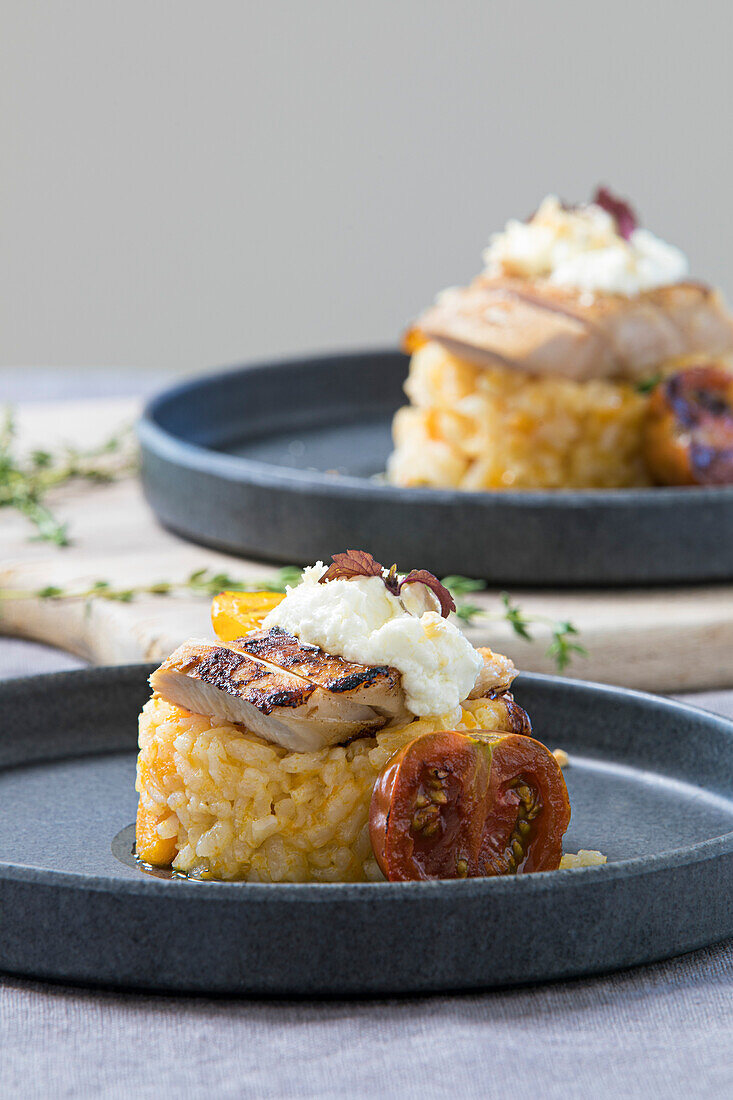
650, 782
277, 462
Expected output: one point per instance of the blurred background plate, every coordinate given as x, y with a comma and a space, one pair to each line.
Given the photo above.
283, 462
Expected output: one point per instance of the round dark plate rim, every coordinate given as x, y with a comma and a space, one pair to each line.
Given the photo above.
265, 475
296, 893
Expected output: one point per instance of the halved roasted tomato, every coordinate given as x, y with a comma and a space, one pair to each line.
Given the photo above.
688, 435
234, 614
457, 805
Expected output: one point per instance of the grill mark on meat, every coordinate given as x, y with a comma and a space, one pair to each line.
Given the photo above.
238, 675
358, 679
333, 673
286, 647
257, 696
276, 636
218, 668
266, 701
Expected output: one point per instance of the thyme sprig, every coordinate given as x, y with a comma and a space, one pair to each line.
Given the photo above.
207, 583
563, 647
202, 582
25, 480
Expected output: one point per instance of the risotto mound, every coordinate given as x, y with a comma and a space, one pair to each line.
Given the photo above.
472, 427
217, 802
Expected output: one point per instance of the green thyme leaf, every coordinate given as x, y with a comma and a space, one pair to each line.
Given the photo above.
646, 385
462, 586
467, 612
25, 481
516, 618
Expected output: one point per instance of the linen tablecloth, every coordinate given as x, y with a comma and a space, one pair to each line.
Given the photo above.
653, 1032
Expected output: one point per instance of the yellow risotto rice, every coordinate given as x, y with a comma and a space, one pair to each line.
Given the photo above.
242, 808
474, 427
586, 857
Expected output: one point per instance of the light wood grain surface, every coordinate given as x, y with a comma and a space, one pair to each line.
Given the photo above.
671, 639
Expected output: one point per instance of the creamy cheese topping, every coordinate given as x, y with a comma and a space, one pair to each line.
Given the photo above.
582, 248
362, 621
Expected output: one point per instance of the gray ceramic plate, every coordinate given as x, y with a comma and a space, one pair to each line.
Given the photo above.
276, 461
651, 784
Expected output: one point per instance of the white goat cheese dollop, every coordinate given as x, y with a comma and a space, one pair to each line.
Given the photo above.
362, 621
582, 248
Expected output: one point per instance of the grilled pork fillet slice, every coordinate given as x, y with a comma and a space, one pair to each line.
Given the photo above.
230, 686
376, 686
544, 329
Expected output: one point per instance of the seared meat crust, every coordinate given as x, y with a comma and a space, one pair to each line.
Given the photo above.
285, 708
378, 686
233, 672
544, 329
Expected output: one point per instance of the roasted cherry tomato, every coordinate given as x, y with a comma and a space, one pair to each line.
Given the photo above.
688, 436
458, 805
234, 614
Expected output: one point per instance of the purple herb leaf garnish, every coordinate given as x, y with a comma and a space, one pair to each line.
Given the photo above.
354, 563
360, 563
421, 576
620, 211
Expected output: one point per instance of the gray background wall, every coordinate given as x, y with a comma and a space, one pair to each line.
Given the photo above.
192, 183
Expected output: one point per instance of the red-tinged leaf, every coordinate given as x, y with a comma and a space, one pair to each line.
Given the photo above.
421, 576
354, 563
625, 218
360, 563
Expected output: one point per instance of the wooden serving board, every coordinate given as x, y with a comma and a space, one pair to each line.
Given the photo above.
671, 639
